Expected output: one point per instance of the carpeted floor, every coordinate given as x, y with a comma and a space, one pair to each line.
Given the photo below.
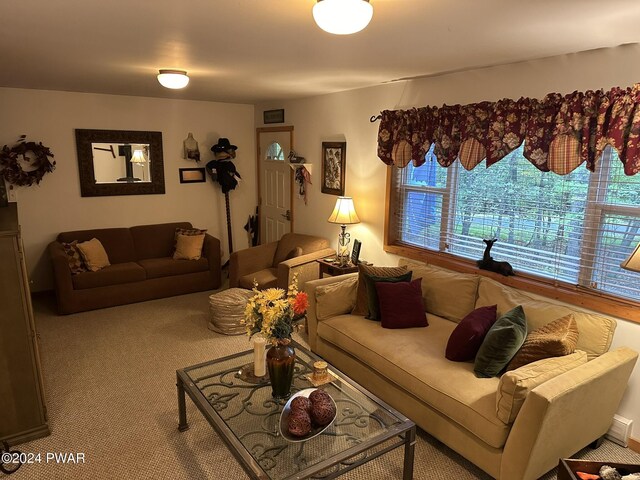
110, 384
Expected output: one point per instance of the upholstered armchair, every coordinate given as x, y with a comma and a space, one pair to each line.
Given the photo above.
273, 264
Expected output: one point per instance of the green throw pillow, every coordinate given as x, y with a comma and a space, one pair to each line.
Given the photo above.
502, 342
373, 305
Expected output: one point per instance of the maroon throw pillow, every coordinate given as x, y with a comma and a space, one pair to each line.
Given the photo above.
401, 304
466, 338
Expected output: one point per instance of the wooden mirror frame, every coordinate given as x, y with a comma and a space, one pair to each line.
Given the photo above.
88, 185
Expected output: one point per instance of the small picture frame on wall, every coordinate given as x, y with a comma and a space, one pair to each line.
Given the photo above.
192, 175
333, 167
273, 116
355, 252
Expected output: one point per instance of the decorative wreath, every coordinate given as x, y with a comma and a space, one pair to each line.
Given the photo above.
11, 168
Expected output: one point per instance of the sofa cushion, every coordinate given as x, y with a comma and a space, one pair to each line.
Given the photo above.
373, 304
117, 242
360, 307
446, 293
267, 278
554, 339
155, 241
501, 343
595, 331
167, 266
400, 304
188, 247
93, 254
516, 384
336, 298
414, 360
112, 275
466, 339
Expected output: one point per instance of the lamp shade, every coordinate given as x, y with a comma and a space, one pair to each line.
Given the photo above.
342, 17
174, 79
138, 157
633, 262
344, 212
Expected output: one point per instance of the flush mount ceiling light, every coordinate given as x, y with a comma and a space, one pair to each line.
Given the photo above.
174, 79
342, 17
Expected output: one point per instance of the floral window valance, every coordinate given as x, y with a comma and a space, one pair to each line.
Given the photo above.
560, 131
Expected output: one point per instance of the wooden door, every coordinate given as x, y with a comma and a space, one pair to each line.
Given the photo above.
275, 193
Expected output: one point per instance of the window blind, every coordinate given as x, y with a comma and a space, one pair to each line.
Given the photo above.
575, 228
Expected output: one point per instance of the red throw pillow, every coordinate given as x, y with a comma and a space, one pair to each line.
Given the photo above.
401, 304
466, 338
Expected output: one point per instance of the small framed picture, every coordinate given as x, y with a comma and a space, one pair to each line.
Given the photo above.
355, 252
333, 167
273, 116
192, 175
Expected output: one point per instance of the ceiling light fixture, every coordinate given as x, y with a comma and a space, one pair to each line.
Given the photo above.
342, 17
174, 79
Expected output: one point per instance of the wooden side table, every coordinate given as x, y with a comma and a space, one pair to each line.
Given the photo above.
335, 269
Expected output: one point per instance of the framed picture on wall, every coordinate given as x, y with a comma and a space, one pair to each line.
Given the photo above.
192, 175
333, 167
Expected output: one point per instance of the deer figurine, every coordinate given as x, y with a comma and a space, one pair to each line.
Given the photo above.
488, 263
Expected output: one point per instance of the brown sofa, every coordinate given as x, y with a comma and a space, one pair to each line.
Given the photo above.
142, 268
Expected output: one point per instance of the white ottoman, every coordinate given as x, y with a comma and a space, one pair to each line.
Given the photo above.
227, 310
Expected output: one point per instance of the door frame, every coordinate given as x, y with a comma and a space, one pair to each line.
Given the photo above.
259, 130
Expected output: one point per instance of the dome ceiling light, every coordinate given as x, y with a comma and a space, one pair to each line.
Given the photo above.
342, 17
174, 79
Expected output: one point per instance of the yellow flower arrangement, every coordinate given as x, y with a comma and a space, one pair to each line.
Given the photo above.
274, 313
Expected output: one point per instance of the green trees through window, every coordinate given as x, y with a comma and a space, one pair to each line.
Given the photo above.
575, 228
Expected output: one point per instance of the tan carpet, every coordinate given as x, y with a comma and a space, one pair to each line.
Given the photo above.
110, 383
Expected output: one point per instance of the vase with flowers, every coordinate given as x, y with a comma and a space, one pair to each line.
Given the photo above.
274, 314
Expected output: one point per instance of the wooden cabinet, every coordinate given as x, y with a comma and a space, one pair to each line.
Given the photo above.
23, 414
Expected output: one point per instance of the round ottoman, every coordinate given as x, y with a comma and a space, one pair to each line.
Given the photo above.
227, 310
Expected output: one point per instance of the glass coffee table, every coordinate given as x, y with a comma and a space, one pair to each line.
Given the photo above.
247, 418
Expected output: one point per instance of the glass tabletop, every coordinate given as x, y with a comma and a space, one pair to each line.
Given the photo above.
253, 416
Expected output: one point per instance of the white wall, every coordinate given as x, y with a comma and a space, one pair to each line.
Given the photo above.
345, 117
56, 205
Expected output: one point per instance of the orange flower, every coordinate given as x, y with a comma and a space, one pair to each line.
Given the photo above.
300, 303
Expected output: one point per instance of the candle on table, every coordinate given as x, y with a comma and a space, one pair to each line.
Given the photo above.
259, 362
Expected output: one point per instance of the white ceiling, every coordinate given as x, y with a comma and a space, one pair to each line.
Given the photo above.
251, 51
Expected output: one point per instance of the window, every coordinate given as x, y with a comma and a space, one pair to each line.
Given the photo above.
274, 152
576, 228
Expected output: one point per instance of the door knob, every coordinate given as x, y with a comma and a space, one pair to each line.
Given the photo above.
287, 215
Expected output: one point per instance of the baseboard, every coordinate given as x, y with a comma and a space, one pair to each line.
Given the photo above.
634, 444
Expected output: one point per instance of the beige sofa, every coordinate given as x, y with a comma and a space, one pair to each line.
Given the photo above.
407, 368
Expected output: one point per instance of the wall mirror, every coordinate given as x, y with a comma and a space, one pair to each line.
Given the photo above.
119, 162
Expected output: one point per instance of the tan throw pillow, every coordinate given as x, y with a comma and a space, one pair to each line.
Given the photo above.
94, 255
188, 247
361, 295
336, 298
188, 232
74, 257
515, 385
554, 339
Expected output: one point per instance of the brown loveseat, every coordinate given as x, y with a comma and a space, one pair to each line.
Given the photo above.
142, 268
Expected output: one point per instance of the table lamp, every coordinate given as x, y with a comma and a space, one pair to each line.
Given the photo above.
344, 214
633, 262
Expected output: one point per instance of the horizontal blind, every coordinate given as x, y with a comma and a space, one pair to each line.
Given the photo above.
575, 228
